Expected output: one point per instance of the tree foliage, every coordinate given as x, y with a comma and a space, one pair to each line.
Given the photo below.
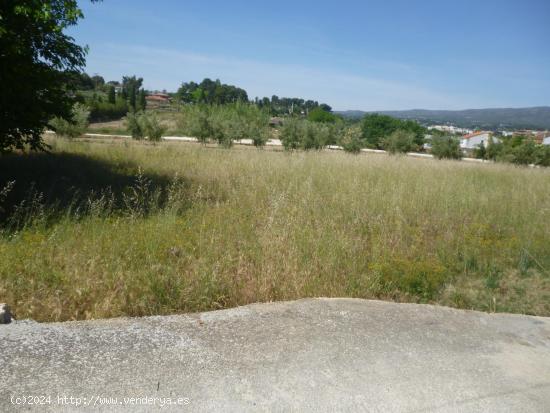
399, 141
226, 123
350, 139
131, 86
304, 134
377, 127
446, 147
144, 125
290, 106
37, 59
519, 150
210, 92
322, 116
76, 125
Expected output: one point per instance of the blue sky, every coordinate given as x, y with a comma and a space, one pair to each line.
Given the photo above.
369, 55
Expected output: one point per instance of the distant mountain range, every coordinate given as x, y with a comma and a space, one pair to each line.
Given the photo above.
504, 118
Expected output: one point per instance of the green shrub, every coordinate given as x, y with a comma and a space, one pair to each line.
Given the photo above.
291, 133
399, 141
446, 147
350, 139
314, 135
480, 152
525, 153
303, 134
105, 111
151, 126
134, 125
76, 126
322, 116
195, 122
543, 155
493, 150
144, 124
377, 127
226, 123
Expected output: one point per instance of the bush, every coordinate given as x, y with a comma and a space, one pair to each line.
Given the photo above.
322, 116
144, 124
291, 134
543, 155
303, 134
446, 147
525, 153
376, 127
399, 141
151, 125
493, 150
76, 126
350, 139
134, 125
105, 111
195, 122
226, 123
314, 135
480, 152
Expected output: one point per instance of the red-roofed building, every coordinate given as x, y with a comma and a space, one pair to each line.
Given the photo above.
474, 140
157, 99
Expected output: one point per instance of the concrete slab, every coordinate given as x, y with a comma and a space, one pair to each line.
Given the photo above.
308, 355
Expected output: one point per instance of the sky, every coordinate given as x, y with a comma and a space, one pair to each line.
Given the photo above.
361, 55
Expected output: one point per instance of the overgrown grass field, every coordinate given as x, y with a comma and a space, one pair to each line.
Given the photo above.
130, 228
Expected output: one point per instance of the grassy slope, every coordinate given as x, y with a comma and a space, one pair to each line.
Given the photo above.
245, 225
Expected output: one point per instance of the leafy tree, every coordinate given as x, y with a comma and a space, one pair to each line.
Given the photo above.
151, 126
303, 134
76, 125
111, 95
350, 139
322, 116
525, 153
400, 141
291, 134
142, 102
98, 81
134, 125
493, 150
132, 98
376, 127
37, 60
130, 89
480, 152
210, 92
104, 111
446, 147
144, 124
195, 122
80, 81
314, 135
542, 157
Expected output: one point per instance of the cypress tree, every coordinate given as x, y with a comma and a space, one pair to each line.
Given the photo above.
111, 95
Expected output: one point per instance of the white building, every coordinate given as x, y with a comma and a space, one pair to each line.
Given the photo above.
546, 141
450, 128
475, 139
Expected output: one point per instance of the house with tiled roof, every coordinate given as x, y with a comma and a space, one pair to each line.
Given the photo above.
474, 140
157, 99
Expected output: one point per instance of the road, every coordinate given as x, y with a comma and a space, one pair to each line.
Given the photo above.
317, 355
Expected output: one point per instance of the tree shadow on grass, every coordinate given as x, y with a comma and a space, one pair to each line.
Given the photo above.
52, 185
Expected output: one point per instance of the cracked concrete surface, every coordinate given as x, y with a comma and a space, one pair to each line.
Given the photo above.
307, 355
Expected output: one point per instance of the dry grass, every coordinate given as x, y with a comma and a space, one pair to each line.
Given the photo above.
208, 228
